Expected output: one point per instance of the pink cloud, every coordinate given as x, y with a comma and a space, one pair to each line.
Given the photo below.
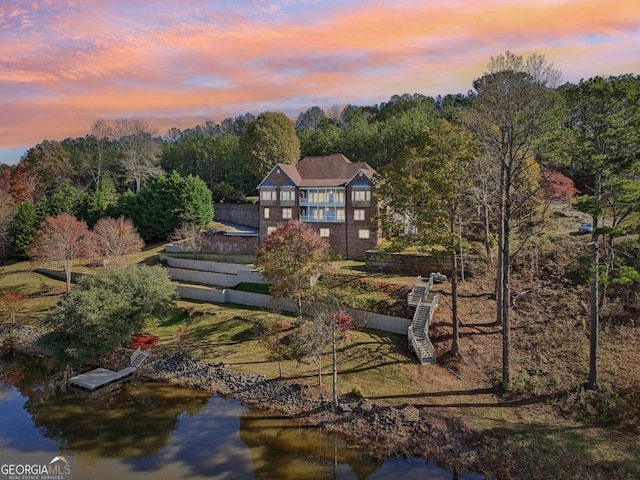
63, 65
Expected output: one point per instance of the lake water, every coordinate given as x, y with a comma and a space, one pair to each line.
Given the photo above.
157, 431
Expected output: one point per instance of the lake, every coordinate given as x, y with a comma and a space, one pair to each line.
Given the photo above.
147, 430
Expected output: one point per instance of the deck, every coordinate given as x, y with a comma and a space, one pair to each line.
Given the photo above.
103, 376
100, 377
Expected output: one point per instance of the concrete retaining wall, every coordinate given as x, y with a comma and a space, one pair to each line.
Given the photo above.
211, 273
203, 294
386, 323
205, 266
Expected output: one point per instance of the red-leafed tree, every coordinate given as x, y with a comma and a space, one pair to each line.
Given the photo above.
12, 302
114, 237
291, 258
24, 184
61, 239
556, 186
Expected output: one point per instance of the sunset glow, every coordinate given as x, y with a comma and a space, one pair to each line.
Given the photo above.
65, 64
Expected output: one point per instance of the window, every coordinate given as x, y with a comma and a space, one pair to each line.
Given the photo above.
325, 232
363, 233
361, 195
270, 230
266, 213
358, 214
286, 213
287, 195
267, 194
340, 214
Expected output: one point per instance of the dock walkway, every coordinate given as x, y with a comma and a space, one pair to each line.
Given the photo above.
100, 377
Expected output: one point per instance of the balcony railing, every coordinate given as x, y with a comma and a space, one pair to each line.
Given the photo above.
326, 219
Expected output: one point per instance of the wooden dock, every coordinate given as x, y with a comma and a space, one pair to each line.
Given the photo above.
102, 376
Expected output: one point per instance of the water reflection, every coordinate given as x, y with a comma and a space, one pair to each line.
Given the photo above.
282, 449
158, 431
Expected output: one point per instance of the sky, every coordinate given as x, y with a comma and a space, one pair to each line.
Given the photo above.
66, 63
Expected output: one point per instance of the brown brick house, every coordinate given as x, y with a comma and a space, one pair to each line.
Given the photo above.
331, 194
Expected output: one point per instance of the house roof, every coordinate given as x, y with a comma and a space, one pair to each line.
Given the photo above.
328, 171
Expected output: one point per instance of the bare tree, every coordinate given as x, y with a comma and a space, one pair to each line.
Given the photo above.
139, 149
62, 238
102, 132
188, 236
114, 237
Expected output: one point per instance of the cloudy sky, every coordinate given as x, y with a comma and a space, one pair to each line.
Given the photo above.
66, 63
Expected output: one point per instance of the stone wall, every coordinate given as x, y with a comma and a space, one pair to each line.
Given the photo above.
406, 264
240, 213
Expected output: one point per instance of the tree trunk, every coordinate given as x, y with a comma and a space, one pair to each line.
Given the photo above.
454, 297
67, 272
279, 368
594, 312
487, 242
504, 264
460, 248
335, 362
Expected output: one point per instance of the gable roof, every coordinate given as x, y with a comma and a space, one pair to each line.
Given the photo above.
328, 171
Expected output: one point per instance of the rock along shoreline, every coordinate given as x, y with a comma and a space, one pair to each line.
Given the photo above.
382, 431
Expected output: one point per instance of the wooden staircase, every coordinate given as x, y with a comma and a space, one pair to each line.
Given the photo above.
425, 302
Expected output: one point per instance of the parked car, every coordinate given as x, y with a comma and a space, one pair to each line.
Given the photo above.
438, 277
585, 228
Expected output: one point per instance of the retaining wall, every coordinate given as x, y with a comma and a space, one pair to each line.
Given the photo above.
406, 264
386, 323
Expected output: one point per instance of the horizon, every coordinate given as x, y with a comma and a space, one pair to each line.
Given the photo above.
66, 65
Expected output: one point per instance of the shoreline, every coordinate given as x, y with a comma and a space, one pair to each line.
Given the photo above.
381, 431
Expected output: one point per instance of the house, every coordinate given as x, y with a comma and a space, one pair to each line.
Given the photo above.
331, 194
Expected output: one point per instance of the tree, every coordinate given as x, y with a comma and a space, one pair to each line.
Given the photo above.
7, 211
51, 163
114, 237
62, 238
290, 258
604, 115
269, 140
424, 190
12, 302
272, 335
104, 310
188, 236
514, 106
167, 202
65, 200
100, 203
139, 149
24, 184
23, 229
310, 119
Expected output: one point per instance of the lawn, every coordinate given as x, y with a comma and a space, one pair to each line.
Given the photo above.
528, 437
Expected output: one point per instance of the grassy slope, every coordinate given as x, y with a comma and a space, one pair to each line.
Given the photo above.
548, 340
